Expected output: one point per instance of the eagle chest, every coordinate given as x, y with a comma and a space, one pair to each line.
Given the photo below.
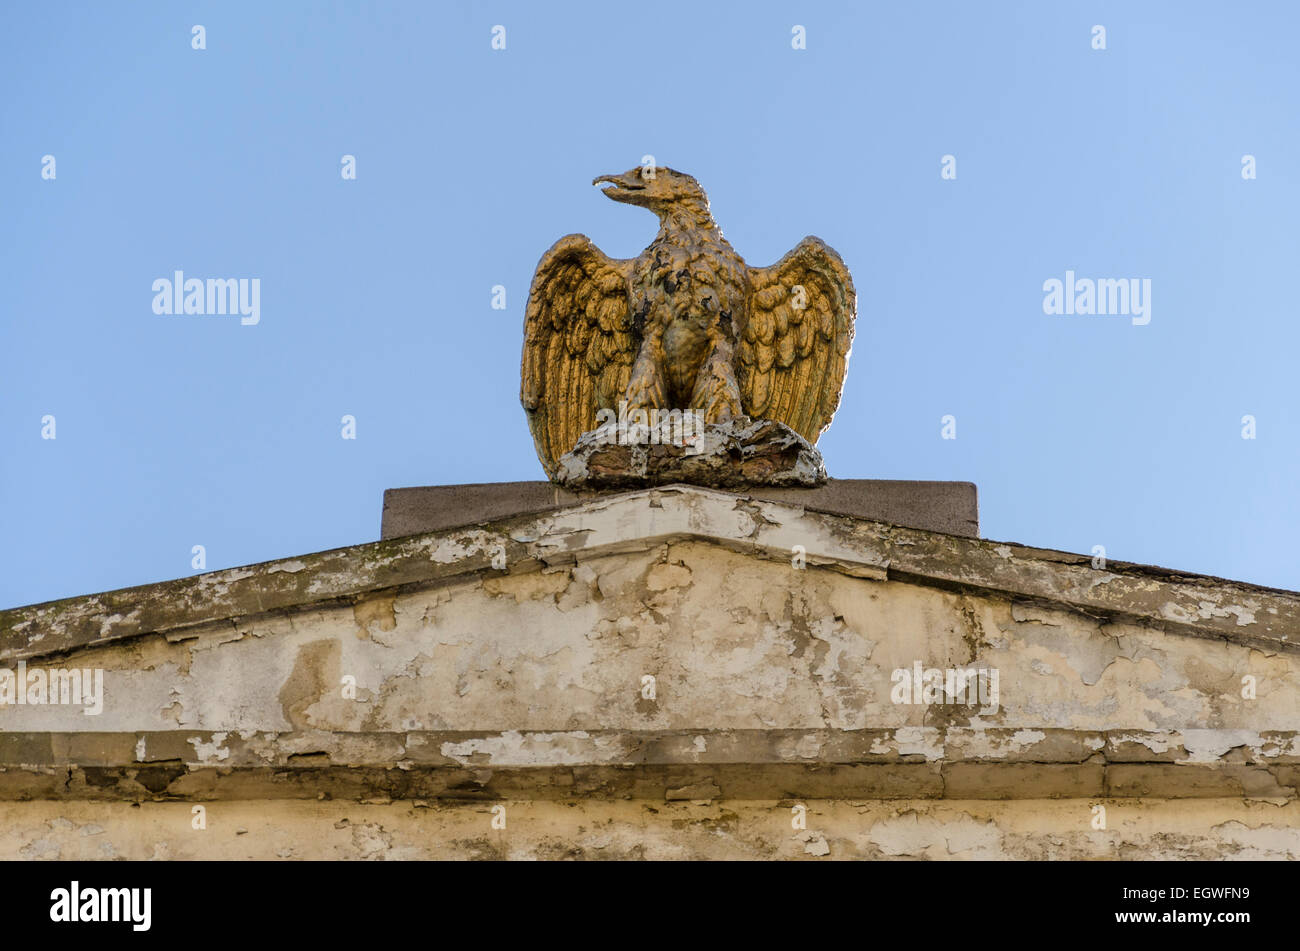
688, 291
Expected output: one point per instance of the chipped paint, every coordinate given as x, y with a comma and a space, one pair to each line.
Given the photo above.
212, 751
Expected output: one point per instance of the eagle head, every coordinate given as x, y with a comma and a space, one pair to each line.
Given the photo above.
653, 187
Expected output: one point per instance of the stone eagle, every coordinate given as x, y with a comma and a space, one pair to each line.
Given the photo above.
684, 325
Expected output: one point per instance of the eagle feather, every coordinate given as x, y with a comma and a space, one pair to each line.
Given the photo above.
578, 349
801, 386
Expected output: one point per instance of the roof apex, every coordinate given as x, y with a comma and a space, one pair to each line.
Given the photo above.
1195, 605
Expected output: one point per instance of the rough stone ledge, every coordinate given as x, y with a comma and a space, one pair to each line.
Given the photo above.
738, 453
612, 829
909, 762
1249, 615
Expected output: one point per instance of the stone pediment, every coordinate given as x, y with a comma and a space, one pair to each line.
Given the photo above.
1190, 604
695, 572
678, 644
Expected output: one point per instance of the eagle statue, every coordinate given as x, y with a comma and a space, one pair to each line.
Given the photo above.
685, 325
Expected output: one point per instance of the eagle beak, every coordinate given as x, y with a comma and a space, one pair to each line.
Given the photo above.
623, 187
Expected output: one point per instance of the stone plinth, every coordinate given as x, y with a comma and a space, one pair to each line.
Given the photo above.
948, 507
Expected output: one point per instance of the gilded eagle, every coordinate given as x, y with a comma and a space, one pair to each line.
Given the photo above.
684, 325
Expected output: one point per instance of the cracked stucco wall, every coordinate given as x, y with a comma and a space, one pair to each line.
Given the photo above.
526, 688
732, 642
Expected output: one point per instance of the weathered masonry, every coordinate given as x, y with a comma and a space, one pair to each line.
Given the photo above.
669, 673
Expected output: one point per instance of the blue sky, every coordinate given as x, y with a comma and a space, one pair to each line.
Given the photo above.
375, 293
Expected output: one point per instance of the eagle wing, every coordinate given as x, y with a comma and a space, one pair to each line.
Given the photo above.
579, 344
795, 348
